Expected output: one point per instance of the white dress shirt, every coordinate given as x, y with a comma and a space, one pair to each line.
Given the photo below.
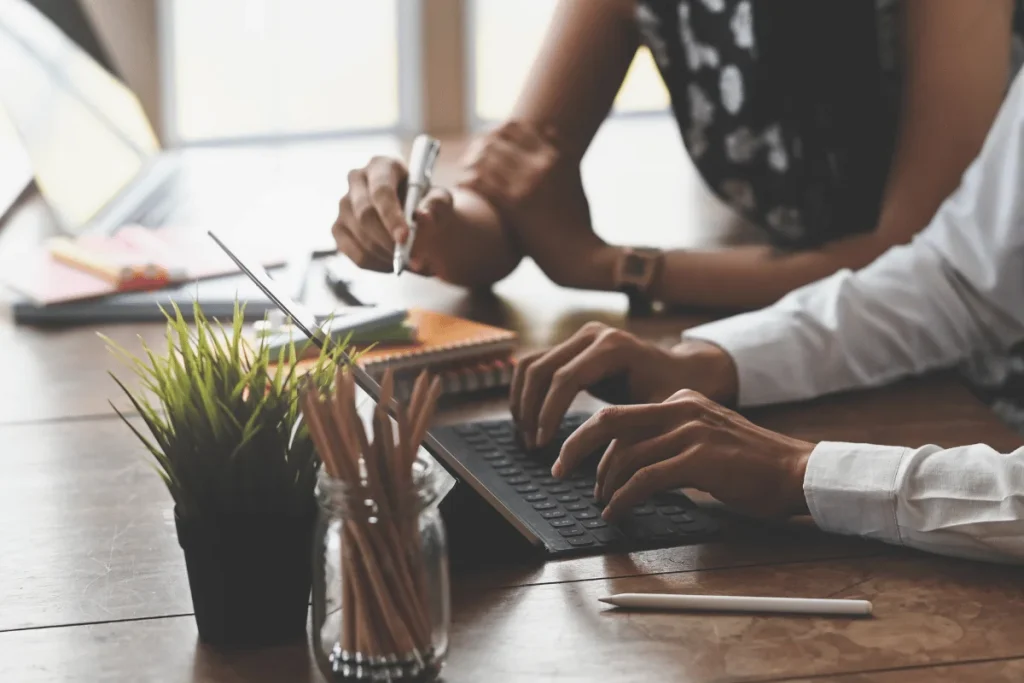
956, 291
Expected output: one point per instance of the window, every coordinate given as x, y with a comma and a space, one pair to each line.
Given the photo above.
243, 69
256, 68
507, 36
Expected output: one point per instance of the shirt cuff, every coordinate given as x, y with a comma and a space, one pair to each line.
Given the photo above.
851, 489
763, 347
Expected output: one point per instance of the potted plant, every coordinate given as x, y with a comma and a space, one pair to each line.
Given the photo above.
227, 439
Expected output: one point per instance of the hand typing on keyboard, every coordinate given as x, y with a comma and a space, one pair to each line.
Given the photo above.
615, 366
689, 441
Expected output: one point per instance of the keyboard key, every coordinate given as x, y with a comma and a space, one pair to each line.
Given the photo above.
510, 471
535, 497
595, 524
493, 455
466, 430
643, 510
562, 523
475, 439
671, 510
552, 514
586, 514
544, 505
527, 488
585, 484
503, 461
575, 507
548, 481
679, 517
567, 498
607, 535
581, 541
517, 480
658, 527
558, 488
587, 494
569, 532
505, 440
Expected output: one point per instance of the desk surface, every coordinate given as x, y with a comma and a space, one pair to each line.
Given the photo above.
93, 587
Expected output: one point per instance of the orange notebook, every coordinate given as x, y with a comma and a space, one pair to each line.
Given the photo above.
466, 355
442, 340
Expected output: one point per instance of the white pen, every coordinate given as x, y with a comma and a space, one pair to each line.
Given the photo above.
735, 603
421, 166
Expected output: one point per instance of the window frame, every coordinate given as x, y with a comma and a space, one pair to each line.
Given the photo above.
437, 53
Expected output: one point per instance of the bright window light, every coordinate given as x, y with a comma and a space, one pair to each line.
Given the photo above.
253, 68
507, 36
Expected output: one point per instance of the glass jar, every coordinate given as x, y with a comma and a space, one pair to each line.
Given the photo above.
381, 604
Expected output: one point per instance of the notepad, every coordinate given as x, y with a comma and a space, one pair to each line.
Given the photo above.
441, 340
468, 356
47, 279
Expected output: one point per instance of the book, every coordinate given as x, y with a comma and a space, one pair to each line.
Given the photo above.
462, 378
468, 356
441, 340
46, 277
362, 326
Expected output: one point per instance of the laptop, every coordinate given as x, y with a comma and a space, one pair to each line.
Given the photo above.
506, 496
96, 159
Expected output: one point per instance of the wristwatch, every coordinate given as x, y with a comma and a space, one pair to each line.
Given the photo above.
636, 271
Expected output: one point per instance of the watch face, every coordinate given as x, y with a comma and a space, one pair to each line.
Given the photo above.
634, 266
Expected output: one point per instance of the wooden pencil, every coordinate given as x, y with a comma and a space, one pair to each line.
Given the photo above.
383, 579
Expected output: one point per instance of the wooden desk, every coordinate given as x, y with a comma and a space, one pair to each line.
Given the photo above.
93, 587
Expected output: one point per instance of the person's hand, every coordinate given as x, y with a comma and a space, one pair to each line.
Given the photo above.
522, 171
371, 219
510, 164
614, 366
689, 441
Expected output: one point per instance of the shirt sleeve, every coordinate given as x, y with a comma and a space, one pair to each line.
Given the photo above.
956, 290
965, 502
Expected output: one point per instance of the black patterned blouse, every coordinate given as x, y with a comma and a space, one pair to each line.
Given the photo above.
788, 108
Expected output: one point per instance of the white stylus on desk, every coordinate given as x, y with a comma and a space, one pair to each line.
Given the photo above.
733, 603
421, 167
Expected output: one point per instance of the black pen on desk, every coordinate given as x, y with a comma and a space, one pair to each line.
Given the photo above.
421, 167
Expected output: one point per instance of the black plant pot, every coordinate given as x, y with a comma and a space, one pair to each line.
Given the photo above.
249, 577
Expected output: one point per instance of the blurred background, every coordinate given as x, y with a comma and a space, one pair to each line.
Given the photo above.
230, 70
353, 77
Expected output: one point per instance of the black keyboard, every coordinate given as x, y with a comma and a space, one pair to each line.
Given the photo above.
563, 512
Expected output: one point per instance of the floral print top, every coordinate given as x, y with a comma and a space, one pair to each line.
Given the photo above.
788, 108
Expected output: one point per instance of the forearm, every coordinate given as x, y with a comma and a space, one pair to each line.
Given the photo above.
755, 276
965, 502
481, 252
953, 292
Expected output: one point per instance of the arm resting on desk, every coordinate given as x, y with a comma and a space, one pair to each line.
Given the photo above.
955, 291
964, 502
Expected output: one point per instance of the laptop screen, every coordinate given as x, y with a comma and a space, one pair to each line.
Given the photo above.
83, 130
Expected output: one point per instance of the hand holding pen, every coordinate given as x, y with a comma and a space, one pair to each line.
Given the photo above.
421, 168
372, 222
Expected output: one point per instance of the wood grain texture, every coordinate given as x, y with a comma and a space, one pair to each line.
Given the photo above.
94, 536
92, 581
1000, 671
927, 613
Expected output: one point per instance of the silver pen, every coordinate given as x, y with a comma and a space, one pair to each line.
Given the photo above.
421, 167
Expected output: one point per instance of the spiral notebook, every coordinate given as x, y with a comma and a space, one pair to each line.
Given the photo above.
441, 340
468, 356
